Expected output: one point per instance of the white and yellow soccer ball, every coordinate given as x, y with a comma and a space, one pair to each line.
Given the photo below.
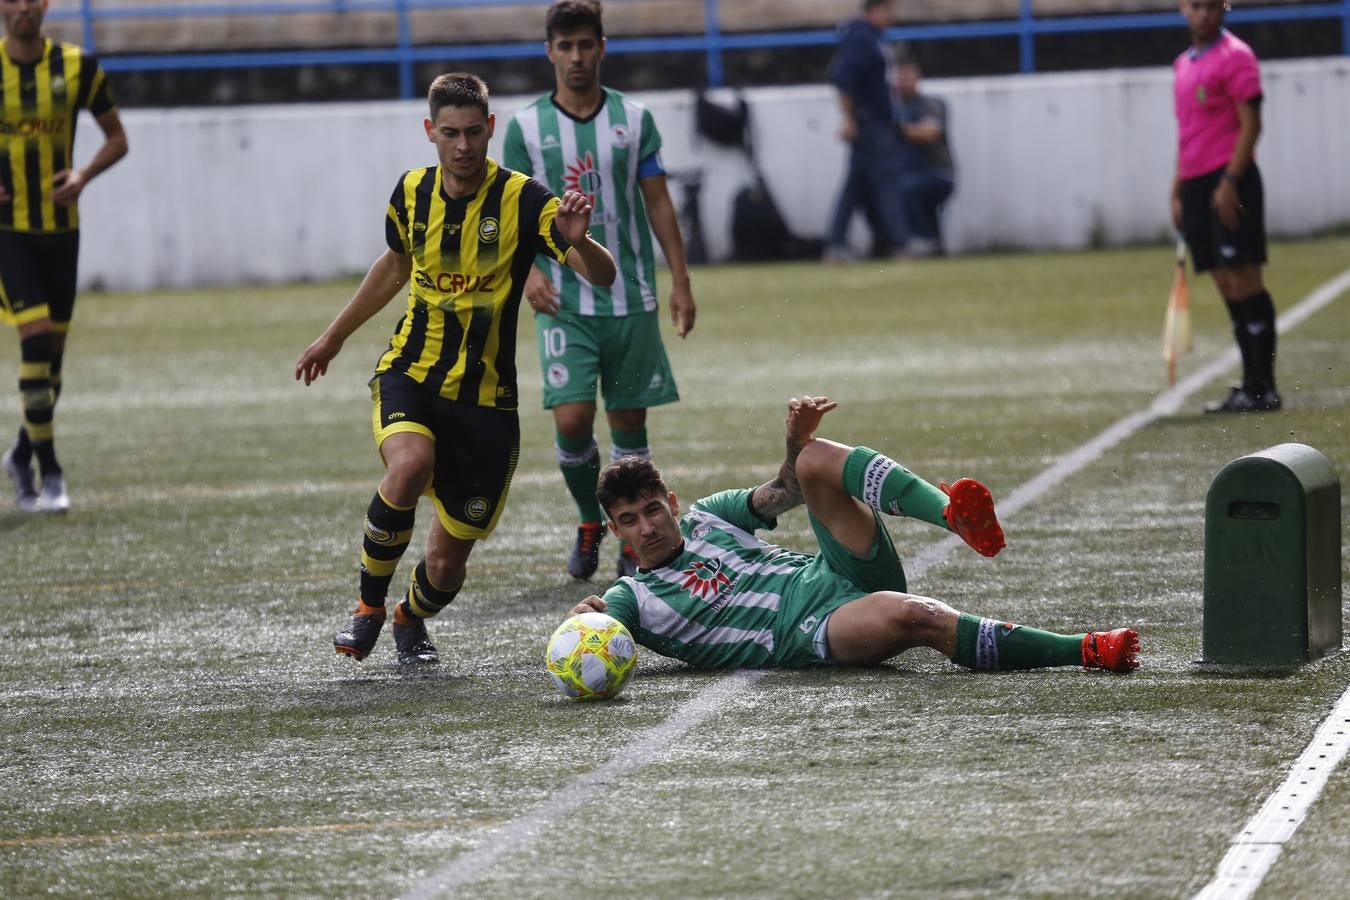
590, 656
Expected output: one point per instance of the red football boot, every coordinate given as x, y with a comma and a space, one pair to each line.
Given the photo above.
971, 515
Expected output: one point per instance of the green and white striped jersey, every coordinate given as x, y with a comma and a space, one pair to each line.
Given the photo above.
728, 599
599, 156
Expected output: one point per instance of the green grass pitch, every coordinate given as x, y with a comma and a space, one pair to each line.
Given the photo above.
173, 720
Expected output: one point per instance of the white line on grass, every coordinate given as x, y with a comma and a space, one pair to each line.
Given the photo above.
520, 831
1257, 846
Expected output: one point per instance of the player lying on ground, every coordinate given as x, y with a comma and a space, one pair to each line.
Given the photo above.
711, 594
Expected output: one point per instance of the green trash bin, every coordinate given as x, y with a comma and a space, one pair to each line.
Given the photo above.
1273, 559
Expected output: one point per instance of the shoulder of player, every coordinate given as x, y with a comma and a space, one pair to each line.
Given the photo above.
1232, 45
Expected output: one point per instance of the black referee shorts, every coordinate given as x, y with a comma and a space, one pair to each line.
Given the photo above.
37, 276
1211, 244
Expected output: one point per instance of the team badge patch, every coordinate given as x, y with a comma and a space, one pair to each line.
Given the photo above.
558, 376
476, 509
487, 230
701, 531
704, 579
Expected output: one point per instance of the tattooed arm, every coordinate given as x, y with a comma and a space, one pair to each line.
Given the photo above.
775, 497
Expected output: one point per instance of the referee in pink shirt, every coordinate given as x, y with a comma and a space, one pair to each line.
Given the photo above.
1218, 203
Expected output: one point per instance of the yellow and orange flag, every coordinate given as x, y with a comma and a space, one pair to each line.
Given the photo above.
1177, 324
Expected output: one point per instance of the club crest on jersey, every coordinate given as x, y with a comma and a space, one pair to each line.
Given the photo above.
705, 578
487, 230
701, 531
620, 134
558, 376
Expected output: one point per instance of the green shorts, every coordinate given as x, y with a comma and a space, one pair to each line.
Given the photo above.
622, 354
835, 577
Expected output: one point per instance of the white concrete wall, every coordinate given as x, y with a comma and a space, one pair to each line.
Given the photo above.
248, 194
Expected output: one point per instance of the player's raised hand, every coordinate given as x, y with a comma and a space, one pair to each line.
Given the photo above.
590, 604
804, 415
574, 215
314, 361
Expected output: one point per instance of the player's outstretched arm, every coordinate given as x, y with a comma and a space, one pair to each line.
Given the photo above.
780, 494
387, 275
586, 256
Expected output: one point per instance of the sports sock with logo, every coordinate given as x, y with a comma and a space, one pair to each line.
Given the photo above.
388, 530
424, 599
890, 488
628, 443
988, 644
579, 460
1260, 326
38, 399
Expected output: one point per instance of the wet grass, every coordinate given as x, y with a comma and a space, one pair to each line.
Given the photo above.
173, 720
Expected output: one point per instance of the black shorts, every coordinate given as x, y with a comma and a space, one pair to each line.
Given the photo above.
476, 450
37, 276
1213, 245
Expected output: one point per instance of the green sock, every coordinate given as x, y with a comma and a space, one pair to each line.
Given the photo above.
579, 459
628, 443
991, 644
890, 488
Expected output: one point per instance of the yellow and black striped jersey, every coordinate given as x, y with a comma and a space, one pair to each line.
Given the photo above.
39, 102
470, 258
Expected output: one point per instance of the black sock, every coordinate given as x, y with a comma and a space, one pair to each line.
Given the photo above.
1260, 315
424, 599
1237, 311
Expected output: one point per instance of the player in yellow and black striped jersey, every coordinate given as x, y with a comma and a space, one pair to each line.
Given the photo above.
43, 86
462, 236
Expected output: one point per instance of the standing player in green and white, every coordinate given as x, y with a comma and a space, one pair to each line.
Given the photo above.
710, 593
588, 138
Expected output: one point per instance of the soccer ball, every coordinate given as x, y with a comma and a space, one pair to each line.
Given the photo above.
590, 656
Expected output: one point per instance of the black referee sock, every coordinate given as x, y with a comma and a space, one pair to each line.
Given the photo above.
1237, 311
1260, 327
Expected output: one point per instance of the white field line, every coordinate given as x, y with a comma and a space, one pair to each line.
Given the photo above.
522, 830
1257, 846
519, 832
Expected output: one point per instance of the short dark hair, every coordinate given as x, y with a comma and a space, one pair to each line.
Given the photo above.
457, 89
629, 478
569, 15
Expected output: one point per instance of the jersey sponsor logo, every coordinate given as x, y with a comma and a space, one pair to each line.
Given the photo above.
488, 230
583, 176
455, 282
476, 508
33, 127
451, 227
550, 142
704, 579
658, 380
558, 376
1200, 94
395, 415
